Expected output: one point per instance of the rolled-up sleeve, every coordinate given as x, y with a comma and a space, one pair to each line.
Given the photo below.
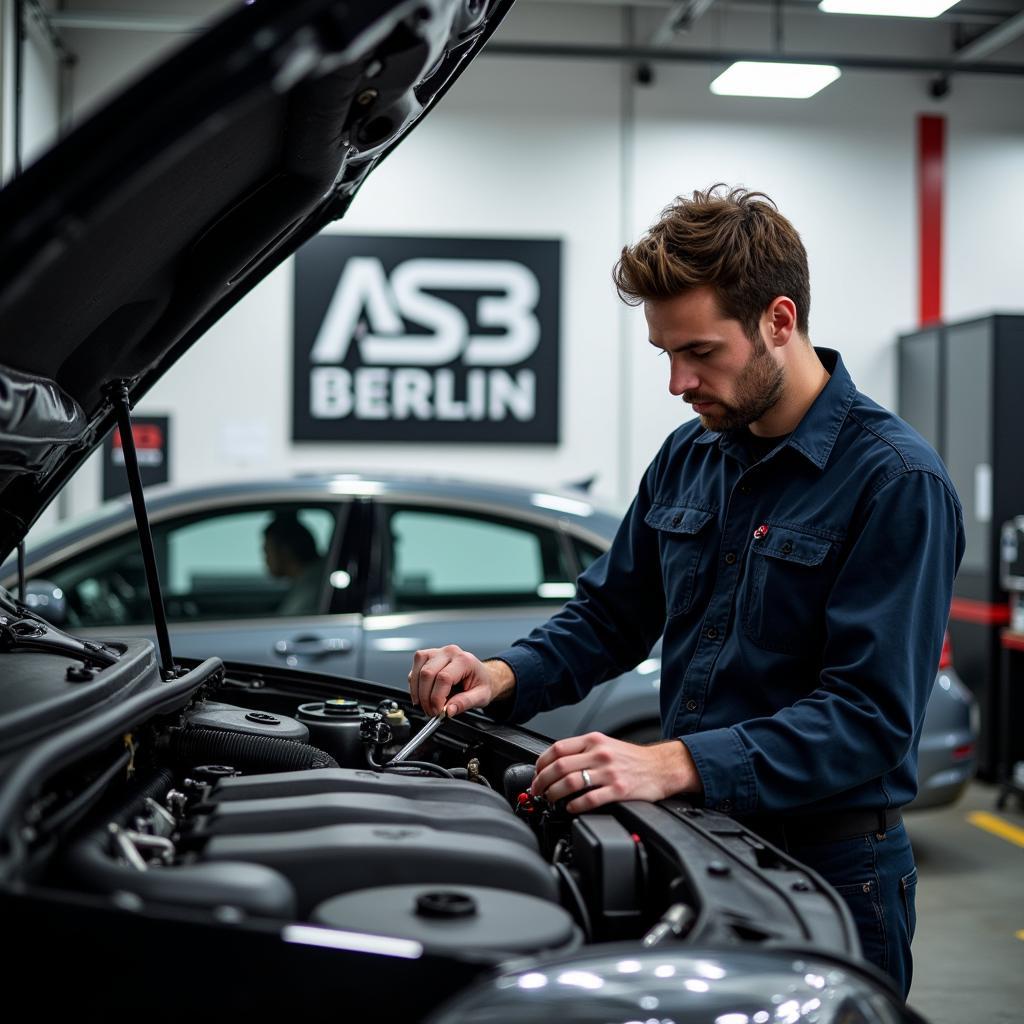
884, 619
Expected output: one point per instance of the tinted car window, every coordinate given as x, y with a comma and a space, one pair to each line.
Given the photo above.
228, 564
442, 559
586, 553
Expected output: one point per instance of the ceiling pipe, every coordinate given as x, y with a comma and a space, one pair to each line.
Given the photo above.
141, 21
127, 22
992, 40
681, 17
653, 55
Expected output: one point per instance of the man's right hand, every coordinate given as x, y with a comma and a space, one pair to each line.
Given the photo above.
438, 670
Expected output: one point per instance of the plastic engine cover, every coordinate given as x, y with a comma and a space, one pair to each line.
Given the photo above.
237, 817
354, 780
454, 919
324, 862
212, 715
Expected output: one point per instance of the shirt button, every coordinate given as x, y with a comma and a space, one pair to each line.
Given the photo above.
744, 488
712, 633
691, 705
725, 805
787, 547
676, 520
730, 558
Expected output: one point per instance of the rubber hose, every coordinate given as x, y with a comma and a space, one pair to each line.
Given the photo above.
245, 751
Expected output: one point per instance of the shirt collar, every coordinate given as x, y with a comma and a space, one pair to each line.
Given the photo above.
815, 435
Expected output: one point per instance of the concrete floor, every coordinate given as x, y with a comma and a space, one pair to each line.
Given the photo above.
969, 945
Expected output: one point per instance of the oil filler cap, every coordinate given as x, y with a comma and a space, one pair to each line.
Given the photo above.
262, 718
445, 903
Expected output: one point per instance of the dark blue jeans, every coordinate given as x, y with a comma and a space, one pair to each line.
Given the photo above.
876, 876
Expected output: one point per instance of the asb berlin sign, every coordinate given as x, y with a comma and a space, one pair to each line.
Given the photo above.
426, 339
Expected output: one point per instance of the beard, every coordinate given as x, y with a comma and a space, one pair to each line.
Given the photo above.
758, 387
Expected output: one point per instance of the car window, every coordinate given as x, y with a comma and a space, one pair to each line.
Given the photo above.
226, 564
441, 559
586, 553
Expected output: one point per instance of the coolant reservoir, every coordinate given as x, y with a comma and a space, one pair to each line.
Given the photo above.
334, 727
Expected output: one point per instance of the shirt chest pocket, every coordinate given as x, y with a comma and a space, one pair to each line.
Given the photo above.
682, 536
789, 576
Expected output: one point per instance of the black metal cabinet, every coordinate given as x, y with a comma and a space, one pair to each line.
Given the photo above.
920, 383
961, 385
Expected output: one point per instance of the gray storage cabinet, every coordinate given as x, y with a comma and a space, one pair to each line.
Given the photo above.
961, 385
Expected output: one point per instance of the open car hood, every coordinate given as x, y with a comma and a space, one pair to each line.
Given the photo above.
130, 238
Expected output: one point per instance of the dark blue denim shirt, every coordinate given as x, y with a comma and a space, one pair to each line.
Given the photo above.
802, 601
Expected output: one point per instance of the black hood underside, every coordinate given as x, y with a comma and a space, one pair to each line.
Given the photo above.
125, 243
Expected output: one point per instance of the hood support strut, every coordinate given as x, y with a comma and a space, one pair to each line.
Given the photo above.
117, 393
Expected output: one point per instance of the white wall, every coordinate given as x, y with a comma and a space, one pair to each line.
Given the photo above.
40, 95
531, 147
984, 245
6, 92
41, 114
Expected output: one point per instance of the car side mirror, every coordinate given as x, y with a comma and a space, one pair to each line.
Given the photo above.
47, 600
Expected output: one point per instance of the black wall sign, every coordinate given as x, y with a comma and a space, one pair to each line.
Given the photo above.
152, 443
426, 339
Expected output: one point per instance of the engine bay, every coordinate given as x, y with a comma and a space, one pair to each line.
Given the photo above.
262, 811
244, 812
302, 818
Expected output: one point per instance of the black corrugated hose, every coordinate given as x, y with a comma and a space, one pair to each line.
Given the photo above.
248, 753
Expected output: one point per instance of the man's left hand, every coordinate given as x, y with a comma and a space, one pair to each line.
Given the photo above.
616, 770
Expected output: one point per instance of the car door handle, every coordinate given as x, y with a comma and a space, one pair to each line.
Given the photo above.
313, 646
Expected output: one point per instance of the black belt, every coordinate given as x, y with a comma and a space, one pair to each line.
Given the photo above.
827, 827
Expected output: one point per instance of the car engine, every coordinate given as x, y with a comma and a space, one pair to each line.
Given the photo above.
262, 812
246, 813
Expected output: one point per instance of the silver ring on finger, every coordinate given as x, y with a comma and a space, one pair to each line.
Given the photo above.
586, 778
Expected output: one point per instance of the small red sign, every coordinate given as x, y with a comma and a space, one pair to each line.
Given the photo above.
147, 435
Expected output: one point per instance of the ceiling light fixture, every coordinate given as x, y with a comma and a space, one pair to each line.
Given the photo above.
764, 78
888, 8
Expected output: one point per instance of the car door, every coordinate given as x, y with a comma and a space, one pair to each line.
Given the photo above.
446, 574
228, 590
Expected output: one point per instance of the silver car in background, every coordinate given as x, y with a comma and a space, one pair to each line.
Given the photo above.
390, 564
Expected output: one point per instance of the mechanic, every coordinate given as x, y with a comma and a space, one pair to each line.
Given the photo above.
795, 546
290, 552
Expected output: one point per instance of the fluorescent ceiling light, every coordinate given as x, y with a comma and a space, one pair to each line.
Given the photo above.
762, 78
888, 8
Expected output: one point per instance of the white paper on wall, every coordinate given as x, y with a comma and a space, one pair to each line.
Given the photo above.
983, 492
245, 441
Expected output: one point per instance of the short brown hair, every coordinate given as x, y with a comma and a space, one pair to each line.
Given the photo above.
737, 243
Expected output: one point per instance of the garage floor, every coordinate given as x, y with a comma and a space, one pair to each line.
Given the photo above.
969, 946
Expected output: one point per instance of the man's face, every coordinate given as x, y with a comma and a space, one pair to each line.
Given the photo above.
729, 380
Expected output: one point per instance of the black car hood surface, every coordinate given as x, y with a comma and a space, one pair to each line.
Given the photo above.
130, 238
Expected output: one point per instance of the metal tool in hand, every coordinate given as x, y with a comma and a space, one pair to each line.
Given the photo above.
421, 737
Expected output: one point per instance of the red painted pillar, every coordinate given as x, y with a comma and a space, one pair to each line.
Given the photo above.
931, 155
